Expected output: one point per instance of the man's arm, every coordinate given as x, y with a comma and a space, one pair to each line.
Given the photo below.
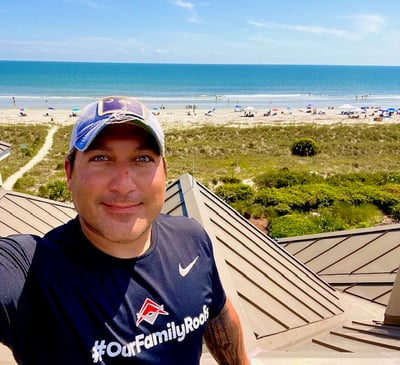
16, 253
224, 337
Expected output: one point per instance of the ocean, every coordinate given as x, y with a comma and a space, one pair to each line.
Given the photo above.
64, 85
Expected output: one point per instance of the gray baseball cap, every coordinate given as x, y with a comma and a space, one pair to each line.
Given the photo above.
113, 110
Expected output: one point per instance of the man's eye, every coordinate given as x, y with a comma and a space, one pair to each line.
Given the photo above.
143, 158
100, 158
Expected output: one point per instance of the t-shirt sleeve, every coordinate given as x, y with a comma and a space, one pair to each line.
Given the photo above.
16, 253
219, 296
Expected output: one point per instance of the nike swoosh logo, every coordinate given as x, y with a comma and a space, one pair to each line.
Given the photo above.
183, 271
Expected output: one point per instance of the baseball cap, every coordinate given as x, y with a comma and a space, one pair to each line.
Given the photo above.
113, 110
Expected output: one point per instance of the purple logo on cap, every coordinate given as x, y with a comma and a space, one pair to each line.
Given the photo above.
116, 104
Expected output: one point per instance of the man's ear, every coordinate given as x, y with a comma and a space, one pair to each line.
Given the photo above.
68, 172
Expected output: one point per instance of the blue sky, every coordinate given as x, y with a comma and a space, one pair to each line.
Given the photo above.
340, 32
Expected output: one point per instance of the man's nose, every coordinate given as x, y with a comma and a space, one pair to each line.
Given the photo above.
123, 179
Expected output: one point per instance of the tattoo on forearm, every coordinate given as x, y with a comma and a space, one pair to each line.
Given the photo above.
224, 338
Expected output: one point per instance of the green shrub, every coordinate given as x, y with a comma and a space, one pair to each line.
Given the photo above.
329, 222
356, 216
312, 196
358, 194
248, 209
231, 193
230, 180
273, 197
282, 209
56, 190
299, 197
284, 178
395, 212
305, 147
378, 178
293, 225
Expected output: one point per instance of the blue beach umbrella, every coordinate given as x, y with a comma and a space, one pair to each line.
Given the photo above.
75, 111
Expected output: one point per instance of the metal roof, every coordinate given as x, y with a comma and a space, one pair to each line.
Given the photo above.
22, 213
290, 313
361, 262
276, 293
283, 303
4, 149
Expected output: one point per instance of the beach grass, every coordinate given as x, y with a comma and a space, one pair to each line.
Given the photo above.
211, 153
25, 142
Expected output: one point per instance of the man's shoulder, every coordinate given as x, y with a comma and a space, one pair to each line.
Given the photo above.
180, 228
20, 240
181, 222
28, 243
17, 250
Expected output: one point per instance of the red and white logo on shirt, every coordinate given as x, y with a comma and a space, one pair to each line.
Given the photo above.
149, 312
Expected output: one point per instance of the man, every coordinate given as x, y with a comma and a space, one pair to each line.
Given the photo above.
121, 283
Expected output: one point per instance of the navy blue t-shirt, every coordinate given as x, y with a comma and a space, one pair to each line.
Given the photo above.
62, 301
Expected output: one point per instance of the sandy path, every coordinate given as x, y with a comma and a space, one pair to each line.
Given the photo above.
11, 180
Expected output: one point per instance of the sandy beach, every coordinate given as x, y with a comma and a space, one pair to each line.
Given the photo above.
187, 117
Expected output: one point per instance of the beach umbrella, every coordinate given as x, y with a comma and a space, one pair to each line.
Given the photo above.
75, 111
346, 106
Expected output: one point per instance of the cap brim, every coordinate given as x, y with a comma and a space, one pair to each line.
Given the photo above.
84, 140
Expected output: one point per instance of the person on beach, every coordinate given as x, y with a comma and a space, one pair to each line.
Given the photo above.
121, 283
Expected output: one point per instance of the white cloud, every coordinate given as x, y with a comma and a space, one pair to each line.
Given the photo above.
301, 28
366, 23
362, 26
183, 4
193, 18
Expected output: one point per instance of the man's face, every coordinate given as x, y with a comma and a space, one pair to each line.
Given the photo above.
118, 188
